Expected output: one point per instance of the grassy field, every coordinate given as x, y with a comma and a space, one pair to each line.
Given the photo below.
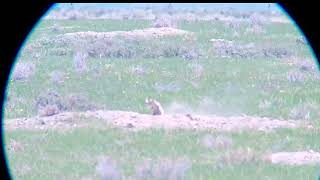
215, 85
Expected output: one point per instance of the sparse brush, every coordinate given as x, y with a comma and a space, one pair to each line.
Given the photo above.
48, 110
223, 142
170, 87
255, 29
57, 76
196, 71
23, 70
165, 42
108, 169
79, 103
49, 102
301, 40
265, 104
191, 54
276, 52
239, 156
294, 76
80, 62
208, 141
233, 25
46, 103
219, 142
257, 19
15, 146
225, 48
59, 51
163, 169
137, 70
300, 112
163, 21
307, 65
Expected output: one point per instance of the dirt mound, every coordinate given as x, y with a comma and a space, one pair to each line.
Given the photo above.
141, 121
140, 33
296, 158
280, 20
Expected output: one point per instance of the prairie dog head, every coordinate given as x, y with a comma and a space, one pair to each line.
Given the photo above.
149, 100
155, 106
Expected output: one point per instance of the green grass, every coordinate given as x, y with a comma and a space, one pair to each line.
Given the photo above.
234, 86
74, 154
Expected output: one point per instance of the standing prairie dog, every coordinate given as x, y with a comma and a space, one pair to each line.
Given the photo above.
155, 106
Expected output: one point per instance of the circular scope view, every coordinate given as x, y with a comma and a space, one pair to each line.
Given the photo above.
163, 91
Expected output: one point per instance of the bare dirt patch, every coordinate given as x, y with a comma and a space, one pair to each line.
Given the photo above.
135, 120
295, 158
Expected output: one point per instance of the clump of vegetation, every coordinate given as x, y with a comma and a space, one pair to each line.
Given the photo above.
127, 48
301, 40
170, 87
163, 169
15, 146
52, 102
108, 169
80, 62
276, 52
49, 101
239, 156
219, 142
196, 71
307, 65
60, 51
164, 21
301, 112
231, 49
48, 110
57, 76
77, 102
294, 76
137, 70
23, 71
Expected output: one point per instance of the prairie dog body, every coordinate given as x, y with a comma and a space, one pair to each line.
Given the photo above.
155, 106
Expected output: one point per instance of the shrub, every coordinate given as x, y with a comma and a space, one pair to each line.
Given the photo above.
23, 70
294, 76
163, 169
57, 76
163, 21
219, 142
300, 112
78, 102
239, 156
108, 169
276, 52
48, 110
49, 99
80, 62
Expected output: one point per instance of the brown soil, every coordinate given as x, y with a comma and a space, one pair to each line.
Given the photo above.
135, 120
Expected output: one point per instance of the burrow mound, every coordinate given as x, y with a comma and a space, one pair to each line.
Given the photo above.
139, 33
295, 158
135, 120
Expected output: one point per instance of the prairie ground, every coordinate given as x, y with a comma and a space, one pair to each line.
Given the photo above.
75, 104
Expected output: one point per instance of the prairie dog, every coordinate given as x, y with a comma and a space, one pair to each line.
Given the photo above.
155, 106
